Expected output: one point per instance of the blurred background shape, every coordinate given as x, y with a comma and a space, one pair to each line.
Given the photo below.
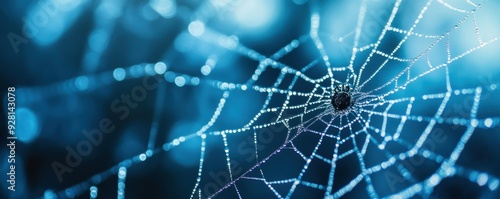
87, 76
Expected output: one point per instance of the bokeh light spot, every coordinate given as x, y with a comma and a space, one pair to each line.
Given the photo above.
28, 125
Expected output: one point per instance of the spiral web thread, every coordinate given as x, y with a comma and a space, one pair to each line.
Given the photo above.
371, 104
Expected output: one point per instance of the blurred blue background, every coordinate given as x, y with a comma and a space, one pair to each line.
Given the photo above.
70, 60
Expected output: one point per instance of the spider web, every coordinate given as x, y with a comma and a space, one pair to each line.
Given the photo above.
376, 142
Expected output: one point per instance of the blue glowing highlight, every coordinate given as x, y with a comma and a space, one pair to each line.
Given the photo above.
257, 13
48, 20
29, 126
160, 68
196, 28
82, 83
93, 192
119, 74
166, 8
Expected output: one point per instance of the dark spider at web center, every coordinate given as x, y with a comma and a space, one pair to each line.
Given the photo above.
341, 99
